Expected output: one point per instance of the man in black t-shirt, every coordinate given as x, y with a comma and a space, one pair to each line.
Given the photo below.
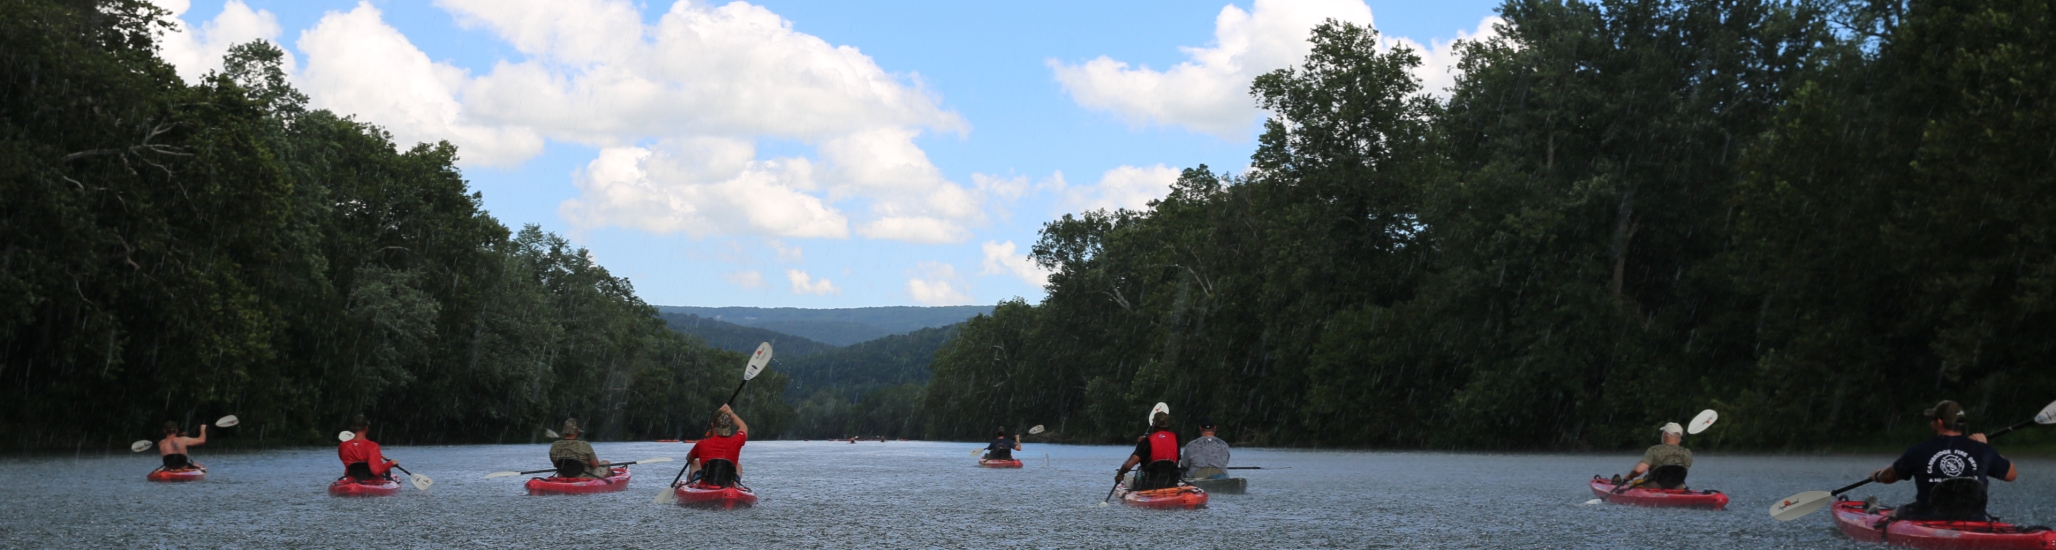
1002, 448
1950, 470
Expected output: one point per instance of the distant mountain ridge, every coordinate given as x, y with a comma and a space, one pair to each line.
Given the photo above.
734, 337
840, 327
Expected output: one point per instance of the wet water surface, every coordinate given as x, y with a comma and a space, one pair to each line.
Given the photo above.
922, 494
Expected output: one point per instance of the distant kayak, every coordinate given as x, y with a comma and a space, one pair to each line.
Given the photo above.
1879, 527
196, 473
347, 487
1008, 463
1660, 498
700, 495
578, 485
1183, 497
1222, 486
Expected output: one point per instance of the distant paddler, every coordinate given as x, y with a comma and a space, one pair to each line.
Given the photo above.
575, 458
363, 461
172, 449
1002, 447
1666, 463
1206, 457
717, 460
1157, 453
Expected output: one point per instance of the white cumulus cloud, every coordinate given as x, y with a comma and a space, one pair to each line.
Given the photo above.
194, 52
748, 278
1130, 187
702, 187
805, 284
1209, 92
937, 284
1002, 258
359, 65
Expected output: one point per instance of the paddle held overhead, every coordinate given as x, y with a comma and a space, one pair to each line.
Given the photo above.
756, 365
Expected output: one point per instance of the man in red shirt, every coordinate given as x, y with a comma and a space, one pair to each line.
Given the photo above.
717, 459
362, 459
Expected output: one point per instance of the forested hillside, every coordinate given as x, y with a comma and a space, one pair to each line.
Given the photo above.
175, 251
840, 327
742, 339
868, 389
1817, 218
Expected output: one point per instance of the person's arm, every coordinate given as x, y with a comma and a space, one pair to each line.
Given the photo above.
1640, 468
191, 441
1126, 466
740, 426
1887, 475
1017, 442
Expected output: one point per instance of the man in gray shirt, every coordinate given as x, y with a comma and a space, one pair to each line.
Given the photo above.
1206, 456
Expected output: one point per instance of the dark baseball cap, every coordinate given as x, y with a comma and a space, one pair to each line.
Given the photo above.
1946, 411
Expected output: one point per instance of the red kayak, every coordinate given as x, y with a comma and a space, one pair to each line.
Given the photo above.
196, 473
1877, 527
1659, 498
578, 485
700, 495
347, 487
1185, 497
1009, 463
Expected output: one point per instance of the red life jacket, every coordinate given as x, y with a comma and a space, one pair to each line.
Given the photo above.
1163, 445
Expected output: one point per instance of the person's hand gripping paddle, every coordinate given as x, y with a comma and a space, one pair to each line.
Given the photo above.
756, 365
1699, 424
1799, 505
421, 482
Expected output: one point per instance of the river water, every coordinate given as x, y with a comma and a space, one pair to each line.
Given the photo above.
927, 494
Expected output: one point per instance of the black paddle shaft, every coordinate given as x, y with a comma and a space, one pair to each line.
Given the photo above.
1851, 487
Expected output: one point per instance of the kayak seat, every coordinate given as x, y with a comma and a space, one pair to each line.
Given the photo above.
719, 473
1667, 477
359, 471
1159, 474
569, 467
177, 461
1958, 499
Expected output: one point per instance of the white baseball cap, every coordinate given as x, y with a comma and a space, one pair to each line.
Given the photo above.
1673, 428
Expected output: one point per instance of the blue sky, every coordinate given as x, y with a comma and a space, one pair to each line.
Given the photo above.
808, 153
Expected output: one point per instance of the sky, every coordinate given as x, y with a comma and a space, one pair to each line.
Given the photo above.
816, 154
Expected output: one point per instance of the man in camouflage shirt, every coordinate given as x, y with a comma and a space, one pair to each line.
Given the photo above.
1666, 463
571, 449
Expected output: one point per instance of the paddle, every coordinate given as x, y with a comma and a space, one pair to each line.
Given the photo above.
1151, 419
756, 365
1799, 505
643, 461
1699, 424
144, 444
421, 482
552, 434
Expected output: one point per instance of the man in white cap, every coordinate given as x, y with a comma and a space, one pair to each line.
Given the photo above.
1666, 463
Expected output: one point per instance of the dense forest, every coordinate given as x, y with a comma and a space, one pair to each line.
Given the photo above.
176, 251
868, 389
1816, 217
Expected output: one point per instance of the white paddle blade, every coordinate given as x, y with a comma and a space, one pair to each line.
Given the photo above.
227, 422
422, 482
1592, 502
2048, 415
1159, 408
345, 436
1797, 506
140, 445
757, 361
1702, 422
501, 474
665, 496
654, 460
974, 452
552, 434
1035, 430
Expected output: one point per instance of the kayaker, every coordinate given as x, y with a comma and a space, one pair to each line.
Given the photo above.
173, 447
575, 458
1206, 457
1002, 448
1158, 455
362, 459
1666, 462
1950, 471
717, 460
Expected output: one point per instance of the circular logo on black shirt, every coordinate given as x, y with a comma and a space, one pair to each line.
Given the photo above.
1951, 465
